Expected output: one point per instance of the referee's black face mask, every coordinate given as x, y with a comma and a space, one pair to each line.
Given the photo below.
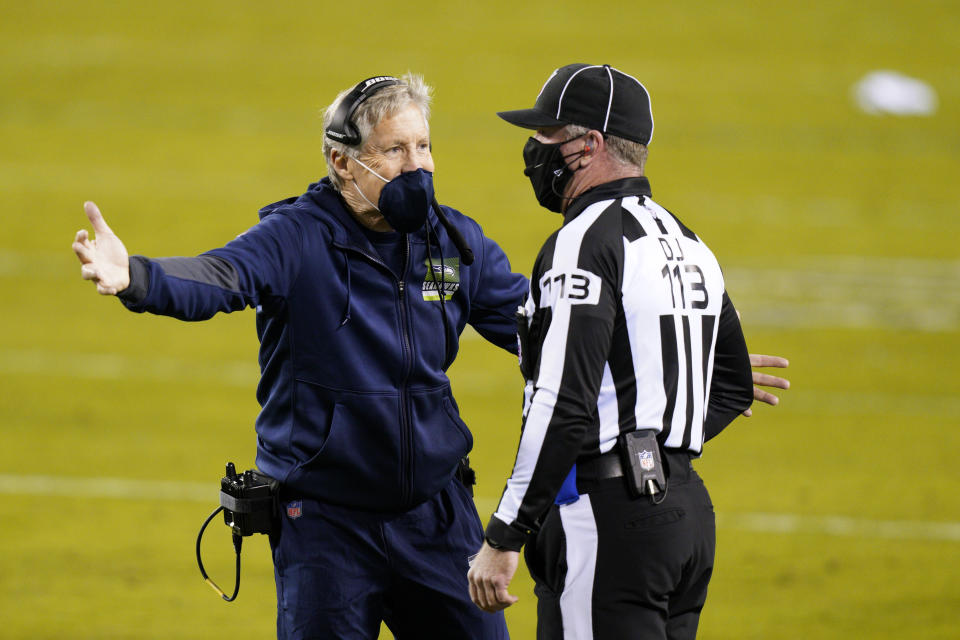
549, 171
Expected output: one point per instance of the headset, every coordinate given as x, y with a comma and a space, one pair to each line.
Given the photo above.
342, 129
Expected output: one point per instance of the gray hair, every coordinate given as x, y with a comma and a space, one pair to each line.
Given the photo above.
623, 150
382, 104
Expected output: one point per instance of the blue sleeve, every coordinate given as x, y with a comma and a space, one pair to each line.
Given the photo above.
260, 263
496, 294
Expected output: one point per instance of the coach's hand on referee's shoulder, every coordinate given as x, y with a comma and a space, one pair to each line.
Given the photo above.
767, 380
104, 258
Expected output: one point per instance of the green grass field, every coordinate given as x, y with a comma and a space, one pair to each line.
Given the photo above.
839, 510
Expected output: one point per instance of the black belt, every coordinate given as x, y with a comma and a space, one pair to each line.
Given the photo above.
608, 465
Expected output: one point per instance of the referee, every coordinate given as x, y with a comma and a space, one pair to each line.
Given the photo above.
633, 357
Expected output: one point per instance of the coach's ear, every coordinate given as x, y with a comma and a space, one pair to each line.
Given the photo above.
339, 163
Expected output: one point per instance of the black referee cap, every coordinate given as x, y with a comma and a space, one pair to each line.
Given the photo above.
590, 95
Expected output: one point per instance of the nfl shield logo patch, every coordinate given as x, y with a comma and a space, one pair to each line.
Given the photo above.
295, 509
646, 460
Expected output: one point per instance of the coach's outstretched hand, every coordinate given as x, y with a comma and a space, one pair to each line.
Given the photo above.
104, 258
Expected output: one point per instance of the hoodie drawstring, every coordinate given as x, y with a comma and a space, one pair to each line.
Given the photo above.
346, 311
440, 289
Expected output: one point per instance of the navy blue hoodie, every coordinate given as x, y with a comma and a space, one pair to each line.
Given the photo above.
356, 405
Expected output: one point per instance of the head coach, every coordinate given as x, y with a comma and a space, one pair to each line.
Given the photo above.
633, 357
362, 286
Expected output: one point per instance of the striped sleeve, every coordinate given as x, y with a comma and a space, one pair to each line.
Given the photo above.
576, 289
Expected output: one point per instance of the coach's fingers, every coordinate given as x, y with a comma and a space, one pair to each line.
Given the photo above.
96, 218
83, 248
106, 291
747, 413
760, 360
89, 272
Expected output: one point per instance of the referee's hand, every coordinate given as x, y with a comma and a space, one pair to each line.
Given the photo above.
490, 575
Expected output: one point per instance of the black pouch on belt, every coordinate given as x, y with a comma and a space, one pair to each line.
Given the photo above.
642, 462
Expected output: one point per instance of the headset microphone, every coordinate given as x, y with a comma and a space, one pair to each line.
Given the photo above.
466, 254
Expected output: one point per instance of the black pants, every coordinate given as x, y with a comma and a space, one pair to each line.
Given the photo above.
613, 567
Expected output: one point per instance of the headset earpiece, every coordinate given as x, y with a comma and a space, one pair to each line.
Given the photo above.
341, 128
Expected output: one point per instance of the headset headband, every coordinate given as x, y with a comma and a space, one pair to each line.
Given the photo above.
341, 128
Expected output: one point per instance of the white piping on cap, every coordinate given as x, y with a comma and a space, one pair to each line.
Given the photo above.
546, 83
569, 80
610, 101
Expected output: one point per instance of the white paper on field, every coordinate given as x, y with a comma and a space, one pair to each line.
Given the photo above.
890, 92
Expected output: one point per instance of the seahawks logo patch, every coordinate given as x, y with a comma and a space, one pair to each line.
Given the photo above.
441, 276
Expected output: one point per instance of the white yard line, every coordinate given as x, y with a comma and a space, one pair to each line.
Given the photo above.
123, 488
848, 292
777, 523
840, 526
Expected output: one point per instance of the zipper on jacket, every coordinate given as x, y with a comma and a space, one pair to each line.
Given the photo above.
406, 429
406, 432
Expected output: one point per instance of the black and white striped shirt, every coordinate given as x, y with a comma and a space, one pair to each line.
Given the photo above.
630, 328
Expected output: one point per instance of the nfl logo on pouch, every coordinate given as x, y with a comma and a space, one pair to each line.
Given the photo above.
295, 509
646, 460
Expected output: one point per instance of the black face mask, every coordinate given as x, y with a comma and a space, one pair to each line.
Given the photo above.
549, 171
